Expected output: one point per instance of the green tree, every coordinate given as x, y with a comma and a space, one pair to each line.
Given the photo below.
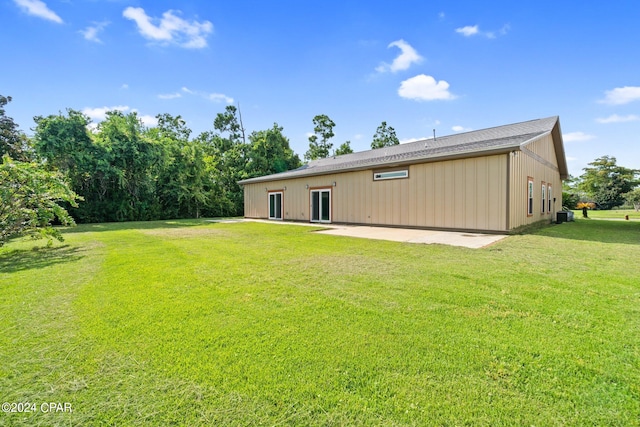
384, 137
606, 183
230, 122
319, 145
633, 197
181, 181
217, 203
570, 192
270, 153
570, 200
345, 148
172, 128
229, 157
12, 141
29, 200
134, 162
65, 142
66, 145
29, 194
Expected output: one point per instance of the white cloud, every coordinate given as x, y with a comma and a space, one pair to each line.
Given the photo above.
219, 97
576, 137
622, 95
468, 31
474, 30
614, 118
145, 27
38, 8
459, 128
170, 95
408, 56
358, 136
171, 28
148, 120
425, 88
215, 97
91, 33
124, 86
100, 113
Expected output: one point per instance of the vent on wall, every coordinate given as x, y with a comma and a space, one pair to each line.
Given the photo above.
379, 176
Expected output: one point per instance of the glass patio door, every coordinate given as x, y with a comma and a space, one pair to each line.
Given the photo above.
321, 205
275, 205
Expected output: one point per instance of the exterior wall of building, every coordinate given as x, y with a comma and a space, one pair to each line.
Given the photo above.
462, 194
537, 162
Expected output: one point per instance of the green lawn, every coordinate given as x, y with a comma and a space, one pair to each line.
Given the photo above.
610, 214
196, 323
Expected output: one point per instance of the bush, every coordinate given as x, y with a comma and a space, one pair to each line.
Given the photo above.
570, 200
588, 205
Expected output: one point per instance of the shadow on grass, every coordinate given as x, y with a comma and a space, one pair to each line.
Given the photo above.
27, 259
594, 230
135, 225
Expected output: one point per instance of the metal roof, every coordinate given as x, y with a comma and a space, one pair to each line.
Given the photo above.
469, 144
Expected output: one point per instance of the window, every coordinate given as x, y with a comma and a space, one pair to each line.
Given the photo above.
530, 196
544, 198
379, 176
549, 197
275, 205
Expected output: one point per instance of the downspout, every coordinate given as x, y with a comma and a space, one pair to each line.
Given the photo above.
508, 220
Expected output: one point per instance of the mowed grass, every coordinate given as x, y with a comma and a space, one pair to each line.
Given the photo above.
610, 214
197, 323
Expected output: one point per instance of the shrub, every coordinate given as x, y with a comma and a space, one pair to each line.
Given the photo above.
588, 205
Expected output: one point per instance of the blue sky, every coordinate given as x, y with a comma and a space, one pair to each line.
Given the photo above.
452, 66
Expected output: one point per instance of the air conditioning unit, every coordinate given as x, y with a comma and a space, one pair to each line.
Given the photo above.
564, 216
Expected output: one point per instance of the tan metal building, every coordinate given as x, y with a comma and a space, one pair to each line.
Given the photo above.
490, 180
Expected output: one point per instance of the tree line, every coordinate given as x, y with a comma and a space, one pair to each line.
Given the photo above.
121, 170
127, 172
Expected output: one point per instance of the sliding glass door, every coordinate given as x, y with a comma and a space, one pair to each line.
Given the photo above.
275, 205
321, 205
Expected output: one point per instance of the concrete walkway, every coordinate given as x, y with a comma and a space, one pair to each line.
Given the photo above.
407, 235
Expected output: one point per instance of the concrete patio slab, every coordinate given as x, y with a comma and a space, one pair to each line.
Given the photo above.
407, 235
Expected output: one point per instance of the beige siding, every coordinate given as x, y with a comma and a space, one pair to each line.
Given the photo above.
466, 194
538, 161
